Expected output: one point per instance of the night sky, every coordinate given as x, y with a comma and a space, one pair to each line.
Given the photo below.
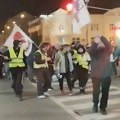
9, 8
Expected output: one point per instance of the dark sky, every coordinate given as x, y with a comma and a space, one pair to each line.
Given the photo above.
9, 8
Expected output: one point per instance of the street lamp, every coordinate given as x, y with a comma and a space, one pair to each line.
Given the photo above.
22, 15
14, 22
8, 27
3, 31
87, 1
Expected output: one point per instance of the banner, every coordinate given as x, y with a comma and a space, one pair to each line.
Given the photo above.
18, 34
81, 15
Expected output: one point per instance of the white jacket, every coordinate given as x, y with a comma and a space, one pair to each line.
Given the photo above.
60, 62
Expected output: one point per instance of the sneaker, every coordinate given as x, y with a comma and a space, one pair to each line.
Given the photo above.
20, 97
49, 89
41, 97
95, 109
103, 111
46, 94
71, 93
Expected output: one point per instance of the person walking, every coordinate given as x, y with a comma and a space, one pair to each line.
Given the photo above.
42, 71
83, 61
64, 67
101, 71
17, 65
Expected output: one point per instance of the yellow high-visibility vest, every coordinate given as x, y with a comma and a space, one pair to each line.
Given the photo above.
74, 56
16, 61
82, 62
43, 57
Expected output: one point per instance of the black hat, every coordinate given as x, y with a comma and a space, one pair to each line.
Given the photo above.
81, 46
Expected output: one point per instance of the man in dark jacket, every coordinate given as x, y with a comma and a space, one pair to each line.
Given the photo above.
101, 70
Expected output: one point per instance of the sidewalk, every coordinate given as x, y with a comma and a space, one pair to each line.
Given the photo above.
31, 108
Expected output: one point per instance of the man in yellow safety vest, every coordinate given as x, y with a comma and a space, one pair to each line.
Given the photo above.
17, 65
41, 69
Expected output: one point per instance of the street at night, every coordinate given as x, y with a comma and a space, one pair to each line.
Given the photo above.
59, 59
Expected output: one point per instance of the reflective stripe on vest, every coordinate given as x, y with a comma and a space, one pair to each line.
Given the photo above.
82, 62
16, 61
74, 56
43, 57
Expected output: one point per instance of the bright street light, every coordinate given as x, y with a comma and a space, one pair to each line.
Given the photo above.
22, 15
8, 27
3, 31
14, 22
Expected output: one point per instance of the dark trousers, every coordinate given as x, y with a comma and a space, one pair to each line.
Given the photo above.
68, 78
51, 72
114, 68
74, 74
104, 84
43, 80
1, 73
82, 75
17, 75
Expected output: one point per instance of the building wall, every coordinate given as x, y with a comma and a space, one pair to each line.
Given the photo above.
59, 28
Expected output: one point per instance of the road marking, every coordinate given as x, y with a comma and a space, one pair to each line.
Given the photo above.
72, 108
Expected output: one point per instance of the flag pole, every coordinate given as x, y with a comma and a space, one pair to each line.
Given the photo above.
98, 8
87, 33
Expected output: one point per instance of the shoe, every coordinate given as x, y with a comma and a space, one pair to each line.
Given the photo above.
62, 92
103, 111
82, 91
33, 81
20, 97
46, 94
49, 89
71, 93
41, 97
95, 109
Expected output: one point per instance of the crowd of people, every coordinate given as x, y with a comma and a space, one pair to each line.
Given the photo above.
70, 62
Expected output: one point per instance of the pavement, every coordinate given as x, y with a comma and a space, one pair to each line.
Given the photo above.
31, 108
55, 107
